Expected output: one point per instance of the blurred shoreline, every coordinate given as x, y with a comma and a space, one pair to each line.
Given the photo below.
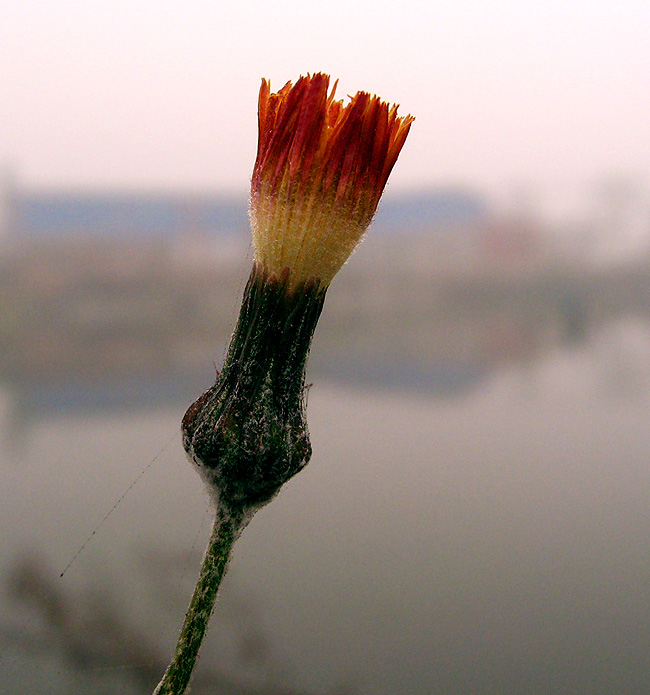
80, 310
98, 311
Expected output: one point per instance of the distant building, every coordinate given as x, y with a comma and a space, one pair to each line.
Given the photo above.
58, 213
437, 210
122, 214
7, 207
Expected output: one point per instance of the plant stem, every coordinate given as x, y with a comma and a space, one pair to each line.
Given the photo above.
177, 676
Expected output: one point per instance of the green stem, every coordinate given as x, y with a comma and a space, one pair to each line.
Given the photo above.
224, 534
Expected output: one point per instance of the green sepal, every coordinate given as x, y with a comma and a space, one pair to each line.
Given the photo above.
248, 433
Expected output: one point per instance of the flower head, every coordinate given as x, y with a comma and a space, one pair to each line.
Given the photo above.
320, 171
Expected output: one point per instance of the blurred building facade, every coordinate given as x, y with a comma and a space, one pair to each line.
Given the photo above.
127, 296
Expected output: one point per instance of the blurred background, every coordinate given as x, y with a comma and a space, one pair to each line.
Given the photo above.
476, 515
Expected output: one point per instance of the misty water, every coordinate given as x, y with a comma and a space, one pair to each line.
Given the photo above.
493, 540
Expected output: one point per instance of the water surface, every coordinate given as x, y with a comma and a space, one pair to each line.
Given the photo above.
491, 541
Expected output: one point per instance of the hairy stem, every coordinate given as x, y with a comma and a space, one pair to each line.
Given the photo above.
224, 534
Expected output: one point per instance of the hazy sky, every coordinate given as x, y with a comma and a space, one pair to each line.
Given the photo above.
163, 94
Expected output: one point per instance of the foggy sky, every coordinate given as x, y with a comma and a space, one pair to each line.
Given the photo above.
143, 93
